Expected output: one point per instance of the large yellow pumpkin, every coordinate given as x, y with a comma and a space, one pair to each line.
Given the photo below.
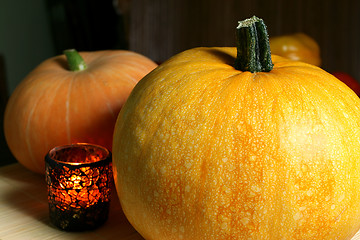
55, 105
206, 150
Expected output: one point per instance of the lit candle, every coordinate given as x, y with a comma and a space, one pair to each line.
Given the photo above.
79, 178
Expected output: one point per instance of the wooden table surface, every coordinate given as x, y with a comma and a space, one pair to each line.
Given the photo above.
24, 211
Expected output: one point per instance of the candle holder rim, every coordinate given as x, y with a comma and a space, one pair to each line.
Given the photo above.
53, 161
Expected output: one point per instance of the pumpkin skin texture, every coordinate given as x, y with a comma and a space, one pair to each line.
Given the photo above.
204, 151
53, 106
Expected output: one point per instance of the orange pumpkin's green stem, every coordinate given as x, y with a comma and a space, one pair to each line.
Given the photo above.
75, 61
253, 48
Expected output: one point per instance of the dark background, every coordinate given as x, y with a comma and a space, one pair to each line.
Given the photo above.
32, 31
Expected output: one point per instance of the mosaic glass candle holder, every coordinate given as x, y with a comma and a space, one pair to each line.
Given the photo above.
79, 179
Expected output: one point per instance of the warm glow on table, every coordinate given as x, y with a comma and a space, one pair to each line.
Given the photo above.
24, 211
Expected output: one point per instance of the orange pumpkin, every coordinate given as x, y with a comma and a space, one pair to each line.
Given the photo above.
54, 105
297, 47
266, 149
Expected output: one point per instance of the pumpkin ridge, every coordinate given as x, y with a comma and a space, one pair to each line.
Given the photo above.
50, 102
315, 105
28, 130
27, 133
96, 82
67, 109
130, 78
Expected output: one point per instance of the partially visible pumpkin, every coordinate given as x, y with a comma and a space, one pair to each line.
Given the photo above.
350, 81
205, 149
54, 105
297, 47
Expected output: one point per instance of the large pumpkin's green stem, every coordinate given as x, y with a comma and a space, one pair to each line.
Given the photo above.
75, 61
253, 48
